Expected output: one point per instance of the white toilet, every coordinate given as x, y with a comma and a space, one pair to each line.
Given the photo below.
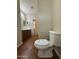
45, 46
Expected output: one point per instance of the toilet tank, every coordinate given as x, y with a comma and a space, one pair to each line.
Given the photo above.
54, 38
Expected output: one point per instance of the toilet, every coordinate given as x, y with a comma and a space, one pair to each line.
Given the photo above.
45, 46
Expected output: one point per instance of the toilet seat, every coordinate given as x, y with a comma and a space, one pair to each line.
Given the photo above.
41, 43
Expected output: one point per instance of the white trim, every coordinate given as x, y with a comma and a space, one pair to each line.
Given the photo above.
19, 44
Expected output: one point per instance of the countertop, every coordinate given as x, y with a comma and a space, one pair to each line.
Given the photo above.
26, 28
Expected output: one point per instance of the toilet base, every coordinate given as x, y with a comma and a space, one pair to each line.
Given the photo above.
45, 53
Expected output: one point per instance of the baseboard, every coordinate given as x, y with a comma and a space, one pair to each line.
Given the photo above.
19, 44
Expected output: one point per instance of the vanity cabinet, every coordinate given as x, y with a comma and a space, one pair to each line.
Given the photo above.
26, 34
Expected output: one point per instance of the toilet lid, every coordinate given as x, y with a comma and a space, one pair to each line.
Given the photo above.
42, 42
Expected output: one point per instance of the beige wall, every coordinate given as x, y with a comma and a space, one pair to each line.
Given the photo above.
56, 15
44, 13
49, 12
19, 36
56, 20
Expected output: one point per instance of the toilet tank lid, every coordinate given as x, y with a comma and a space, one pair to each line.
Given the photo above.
42, 42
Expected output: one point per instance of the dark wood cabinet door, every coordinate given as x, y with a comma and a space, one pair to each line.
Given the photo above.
26, 34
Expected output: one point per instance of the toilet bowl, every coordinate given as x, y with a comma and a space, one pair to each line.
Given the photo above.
41, 43
44, 46
43, 50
